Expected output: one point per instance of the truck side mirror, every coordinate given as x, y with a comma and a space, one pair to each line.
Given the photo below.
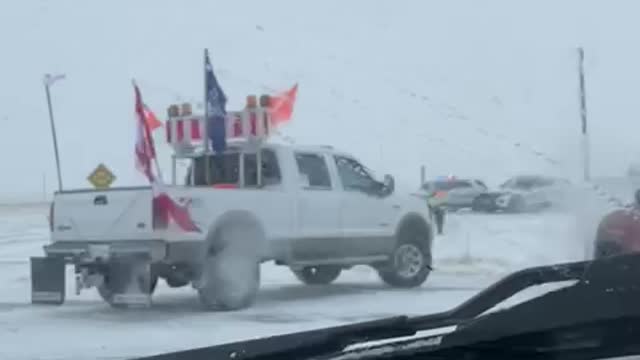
389, 185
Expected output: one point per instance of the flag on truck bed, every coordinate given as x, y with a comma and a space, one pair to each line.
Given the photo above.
281, 106
164, 207
145, 150
216, 107
151, 118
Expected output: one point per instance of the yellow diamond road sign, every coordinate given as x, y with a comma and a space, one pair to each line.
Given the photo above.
101, 177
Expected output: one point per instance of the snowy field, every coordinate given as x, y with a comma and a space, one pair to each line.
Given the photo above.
459, 88
476, 250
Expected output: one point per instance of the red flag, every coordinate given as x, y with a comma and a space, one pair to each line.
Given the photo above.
145, 150
164, 207
282, 106
151, 118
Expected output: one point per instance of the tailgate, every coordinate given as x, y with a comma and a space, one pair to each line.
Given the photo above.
103, 215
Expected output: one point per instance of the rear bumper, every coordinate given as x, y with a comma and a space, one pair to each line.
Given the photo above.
87, 252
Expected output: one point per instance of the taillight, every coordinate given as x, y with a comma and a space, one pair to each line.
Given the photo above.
160, 217
50, 217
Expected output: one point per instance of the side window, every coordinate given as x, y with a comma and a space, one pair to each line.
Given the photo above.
353, 175
462, 184
313, 169
270, 169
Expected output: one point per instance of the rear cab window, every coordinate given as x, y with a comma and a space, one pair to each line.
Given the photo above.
224, 169
313, 171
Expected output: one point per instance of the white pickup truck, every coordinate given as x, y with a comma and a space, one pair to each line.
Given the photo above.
316, 210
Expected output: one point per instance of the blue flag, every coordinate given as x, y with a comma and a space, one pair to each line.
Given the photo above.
216, 108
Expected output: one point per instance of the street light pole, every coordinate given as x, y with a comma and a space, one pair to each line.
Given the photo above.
586, 162
48, 81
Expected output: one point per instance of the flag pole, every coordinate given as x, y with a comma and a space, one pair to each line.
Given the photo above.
48, 81
207, 165
155, 160
583, 117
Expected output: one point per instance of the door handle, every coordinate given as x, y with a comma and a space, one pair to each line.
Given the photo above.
100, 200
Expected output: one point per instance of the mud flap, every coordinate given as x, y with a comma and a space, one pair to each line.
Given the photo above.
47, 280
130, 280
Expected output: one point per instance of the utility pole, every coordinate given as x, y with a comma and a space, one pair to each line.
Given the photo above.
583, 117
48, 81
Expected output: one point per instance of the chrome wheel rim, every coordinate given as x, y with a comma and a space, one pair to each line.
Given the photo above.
408, 260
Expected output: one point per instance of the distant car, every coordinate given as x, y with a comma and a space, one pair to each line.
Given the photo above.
523, 193
455, 193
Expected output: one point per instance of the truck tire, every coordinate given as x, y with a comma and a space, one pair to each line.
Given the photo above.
230, 276
232, 283
318, 275
410, 263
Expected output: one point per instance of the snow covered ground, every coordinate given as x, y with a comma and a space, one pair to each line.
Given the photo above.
460, 88
476, 250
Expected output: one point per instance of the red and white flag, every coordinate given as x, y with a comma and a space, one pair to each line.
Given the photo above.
164, 207
151, 118
282, 106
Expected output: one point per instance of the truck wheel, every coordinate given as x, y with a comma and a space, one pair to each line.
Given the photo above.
318, 275
231, 283
230, 275
410, 262
106, 292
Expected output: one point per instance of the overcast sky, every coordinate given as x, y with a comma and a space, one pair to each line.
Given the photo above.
453, 85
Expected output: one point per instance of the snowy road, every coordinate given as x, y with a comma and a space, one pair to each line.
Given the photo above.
476, 250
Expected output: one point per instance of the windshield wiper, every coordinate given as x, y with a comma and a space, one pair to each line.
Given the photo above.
606, 290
